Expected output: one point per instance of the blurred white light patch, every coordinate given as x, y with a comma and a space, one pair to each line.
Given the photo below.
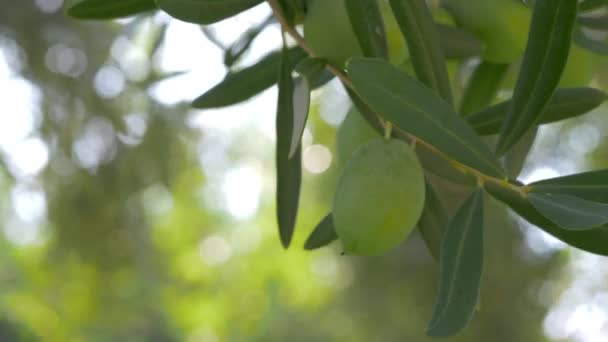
49, 6
317, 159
246, 239
19, 109
64, 60
29, 204
133, 62
334, 104
21, 233
540, 173
27, 157
215, 250
95, 145
586, 323
109, 81
331, 270
203, 61
539, 242
12, 58
136, 126
241, 189
584, 138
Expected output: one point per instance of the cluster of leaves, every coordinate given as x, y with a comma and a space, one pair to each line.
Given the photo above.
421, 109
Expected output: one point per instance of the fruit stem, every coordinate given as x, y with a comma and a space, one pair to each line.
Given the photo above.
481, 177
388, 129
276, 11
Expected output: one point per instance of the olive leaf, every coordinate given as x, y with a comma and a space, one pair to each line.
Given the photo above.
310, 69
289, 170
590, 5
416, 109
323, 234
570, 212
244, 84
366, 19
596, 23
482, 87
420, 32
205, 11
593, 241
514, 160
544, 61
591, 185
461, 264
109, 9
565, 103
595, 46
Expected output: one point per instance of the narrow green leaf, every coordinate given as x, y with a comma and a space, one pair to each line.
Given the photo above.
591, 185
570, 212
595, 46
596, 23
420, 32
237, 49
565, 103
323, 234
460, 271
289, 171
301, 104
246, 83
482, 87
414, 108
457, 43
544, 61
433, 222
205, 11
593, 241
366, 20
109, 9
589, 5
515, 159
310, 69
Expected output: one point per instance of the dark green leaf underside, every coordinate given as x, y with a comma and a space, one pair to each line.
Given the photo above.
109, 9
564, 104
570, 212
461, 266
205, 11
323, 234
289, 170
591, 185
593, 241
544, 61
244, 84
366, 19
420, 32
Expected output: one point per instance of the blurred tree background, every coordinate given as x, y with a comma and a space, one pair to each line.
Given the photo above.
127, 216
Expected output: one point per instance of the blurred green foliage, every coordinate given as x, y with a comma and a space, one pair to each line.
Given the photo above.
134, 249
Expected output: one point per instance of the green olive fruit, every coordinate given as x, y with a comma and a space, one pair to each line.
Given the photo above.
502, 25
329, 33
353, 133
379, 197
